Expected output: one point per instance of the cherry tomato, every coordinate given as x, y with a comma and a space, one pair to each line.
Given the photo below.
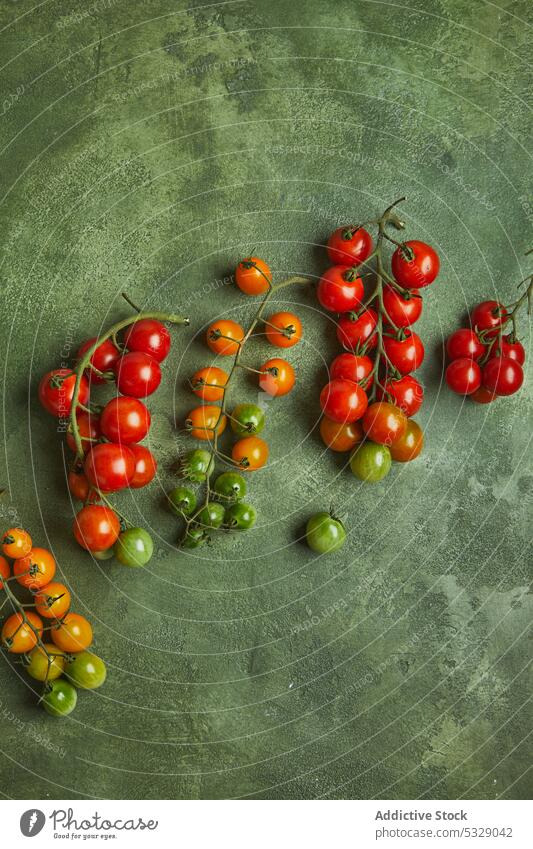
125, 420
60, 698
103, 359
80, 487
343, 401
384, 423
211, 515
402, 310
196, 465
283, 329
182, 501
488, 316
415, 264
406, 393
224, 336
463, 376
148, 336
208, 383
349, 245
202, 421
277, 377
52, 601
5, 570
109, 466
17, 636
250, 453
43, 666
73, 634
408, 446
324, 534
230, 486
134, 547
253, 276
86, 670
482, 396
340, 437
137, 374
89, 430
240, 516
340, 289
353, 367
247, 418
503, 376
512, 348
405, 354
371, 462
56, 390
36, 569
16, 543
145, 466
96, 527
464, 343
357, 332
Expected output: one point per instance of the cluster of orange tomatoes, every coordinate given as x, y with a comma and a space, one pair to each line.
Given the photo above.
60, 659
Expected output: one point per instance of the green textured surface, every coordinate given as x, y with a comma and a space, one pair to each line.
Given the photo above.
147, 146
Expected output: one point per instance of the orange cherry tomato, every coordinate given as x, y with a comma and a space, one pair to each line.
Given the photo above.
223, 337
250, 453
202, 421
52, 601
384, 423
5, 570
408, 446
340, 437
36, 569
283, 329
209, 382
74, 634
17, 636
253, 276
278, 377
89, 430
16, 543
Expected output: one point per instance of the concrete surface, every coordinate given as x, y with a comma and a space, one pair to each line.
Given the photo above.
146, 147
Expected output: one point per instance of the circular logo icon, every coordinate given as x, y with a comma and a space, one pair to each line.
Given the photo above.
32, 822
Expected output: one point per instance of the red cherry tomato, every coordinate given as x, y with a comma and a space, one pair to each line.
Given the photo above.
145, 466
358, 332
137, 374
482, 396
349, 246
89, 429
464, 343
512, 348
503, 376
384, 423
109, 467
96, 527
463, 376
353, 367
103, 359
489, 316
5, 570
80, 487
340, 289
415, 264
406, 393
343, 401
56, 390
125, 420
148, 336
402, 310
405, 354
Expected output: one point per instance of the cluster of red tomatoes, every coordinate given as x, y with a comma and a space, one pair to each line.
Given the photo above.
60, 660
371, 394
112, 457
485, 363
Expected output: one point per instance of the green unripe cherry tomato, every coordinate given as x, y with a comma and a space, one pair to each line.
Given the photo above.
324, 534
60, 698
134, 547
247, 419
182, 501
197, 465
371, 462
194, 538
230, 485
240, 516
41, 668
107, 554
210, 516
86, 670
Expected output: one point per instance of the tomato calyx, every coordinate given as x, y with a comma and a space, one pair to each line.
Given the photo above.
407, 252
349, 232
57, 380
350, 275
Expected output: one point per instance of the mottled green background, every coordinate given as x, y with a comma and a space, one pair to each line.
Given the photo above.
146, 146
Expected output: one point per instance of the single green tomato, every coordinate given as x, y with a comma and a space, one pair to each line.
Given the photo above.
247, 419
324, 533
371, 462
134, 547
194, 538
231, 486
86, 670
182, 501
240, 516
60, 698
210, 516
197, 465
107, 554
